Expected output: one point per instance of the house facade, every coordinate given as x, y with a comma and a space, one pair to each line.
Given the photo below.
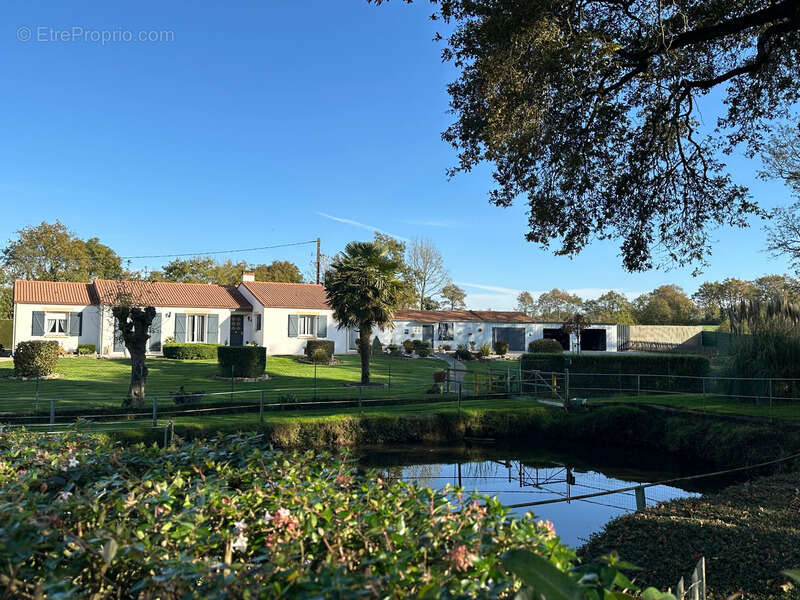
278, 316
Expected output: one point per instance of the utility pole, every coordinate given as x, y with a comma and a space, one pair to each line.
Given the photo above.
319, 257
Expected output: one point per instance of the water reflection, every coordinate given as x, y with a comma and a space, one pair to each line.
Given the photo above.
515, 477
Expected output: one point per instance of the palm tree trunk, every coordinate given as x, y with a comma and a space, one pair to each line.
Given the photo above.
364, 335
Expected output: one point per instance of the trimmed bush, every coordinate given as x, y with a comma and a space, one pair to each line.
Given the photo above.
6, 329
320, 357
35, 359
377, 347
190, 351
326, 346
545, 346
462, 353
246, 361
408, 346
394, 350
424, 352
612, 373
501, 347
85, 349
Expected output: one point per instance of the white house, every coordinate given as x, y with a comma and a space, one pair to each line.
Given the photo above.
461, 327
279, 316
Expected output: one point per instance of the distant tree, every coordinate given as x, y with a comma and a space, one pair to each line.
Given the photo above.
51, 252
557, 305
431, 304
6, 303
199, 269
665, 305
526, 303
426, 269
363, 289
279, 270
396, 250
611, 307
777, 286
454, 296
575, 325
715, 298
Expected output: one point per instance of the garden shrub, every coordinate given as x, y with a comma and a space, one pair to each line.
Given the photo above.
6, 329
36, 359
545, 346
408, 346
244, 361
320, 357
423, 352
501, 347
84, 349
191, 532
439, 376
394, 350
462, 353
326, 345
485, 350
447, 347
377, 347
190, 351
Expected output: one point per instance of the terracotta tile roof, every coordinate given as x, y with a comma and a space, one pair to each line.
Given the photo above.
436, 316
179, 295
54, 292
272, 294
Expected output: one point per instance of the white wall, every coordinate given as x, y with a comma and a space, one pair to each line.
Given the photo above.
275, 331
481, 332
168, 325
23, 320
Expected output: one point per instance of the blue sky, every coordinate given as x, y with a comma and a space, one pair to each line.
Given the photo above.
258, 123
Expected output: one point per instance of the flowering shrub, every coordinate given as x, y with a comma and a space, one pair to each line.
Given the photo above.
229, 518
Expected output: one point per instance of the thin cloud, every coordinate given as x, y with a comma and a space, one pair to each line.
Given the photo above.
489, 288
361, 225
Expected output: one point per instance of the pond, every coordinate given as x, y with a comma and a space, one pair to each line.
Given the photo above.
518, 476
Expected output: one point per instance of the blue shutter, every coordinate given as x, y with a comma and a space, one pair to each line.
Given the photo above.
180, 327
75, 321
37, 325
212, 322
155, 334
293, 325
322, 326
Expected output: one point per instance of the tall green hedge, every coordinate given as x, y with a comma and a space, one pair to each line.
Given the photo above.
326, 345
35, 359
619, 373
6, 328
245, 361
190, 351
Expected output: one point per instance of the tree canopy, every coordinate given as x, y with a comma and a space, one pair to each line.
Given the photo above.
51, 252
207, 270
590, 110
454, 296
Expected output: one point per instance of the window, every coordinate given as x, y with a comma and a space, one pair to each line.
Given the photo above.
306, 325
56, 324
196, 328
258, 322
445, 332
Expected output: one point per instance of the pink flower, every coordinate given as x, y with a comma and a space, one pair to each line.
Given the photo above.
460, 558
550, 529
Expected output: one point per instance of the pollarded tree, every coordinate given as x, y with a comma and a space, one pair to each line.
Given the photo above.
590, 109
363, 289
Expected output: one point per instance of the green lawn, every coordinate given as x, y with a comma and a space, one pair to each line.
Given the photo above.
712, 404
91, 382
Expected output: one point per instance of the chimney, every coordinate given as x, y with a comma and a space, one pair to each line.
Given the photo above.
248, 276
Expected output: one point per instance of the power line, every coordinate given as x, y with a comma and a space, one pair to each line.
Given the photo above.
220, 251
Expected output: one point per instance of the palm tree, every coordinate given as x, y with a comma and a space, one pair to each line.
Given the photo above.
363, 290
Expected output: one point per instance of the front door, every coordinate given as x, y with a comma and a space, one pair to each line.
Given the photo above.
427, 334
237, 330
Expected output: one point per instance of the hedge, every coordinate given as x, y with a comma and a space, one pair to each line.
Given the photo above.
614, 373
84, 349
245, 361
546, 346
190, 351
35, 359
326, 345
6, 329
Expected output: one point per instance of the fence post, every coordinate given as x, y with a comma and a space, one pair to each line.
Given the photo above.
641, 501
508, 381
459, 397
389, 360
638, 385
155, 411
231, 383
360, 391
566, 386
36, 392
52, 413
520, 376
261, 408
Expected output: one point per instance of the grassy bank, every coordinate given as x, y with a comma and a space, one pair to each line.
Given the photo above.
748, 533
